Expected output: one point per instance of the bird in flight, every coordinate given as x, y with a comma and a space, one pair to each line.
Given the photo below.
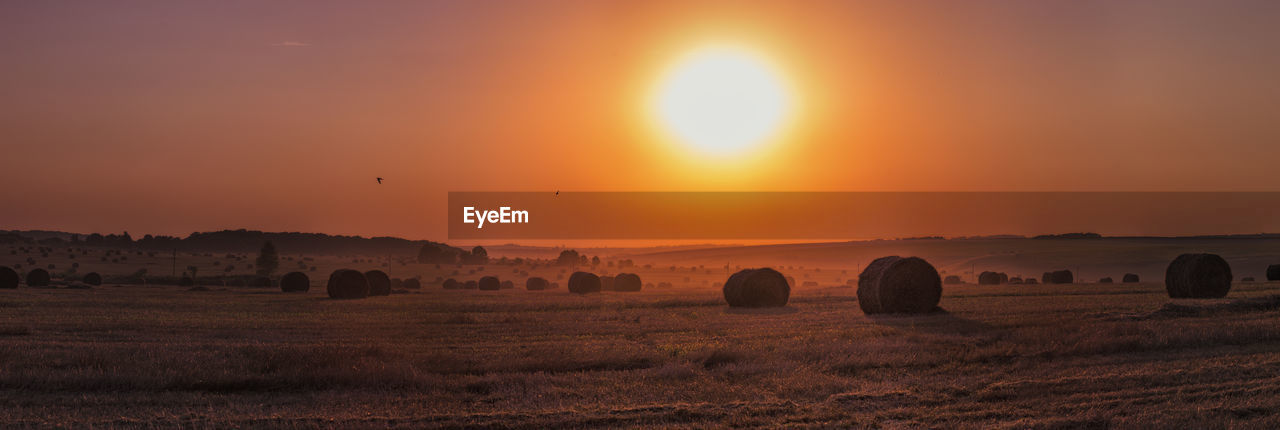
379, 180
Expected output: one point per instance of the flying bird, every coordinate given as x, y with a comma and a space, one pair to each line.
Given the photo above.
379, 180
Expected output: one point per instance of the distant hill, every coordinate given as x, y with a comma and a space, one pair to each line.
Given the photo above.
239, 241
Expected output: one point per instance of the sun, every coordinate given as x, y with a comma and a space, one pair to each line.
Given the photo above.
721, 101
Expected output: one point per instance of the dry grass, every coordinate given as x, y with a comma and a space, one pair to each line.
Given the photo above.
1065, 356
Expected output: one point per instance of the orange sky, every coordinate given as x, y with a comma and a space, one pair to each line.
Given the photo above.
173, 117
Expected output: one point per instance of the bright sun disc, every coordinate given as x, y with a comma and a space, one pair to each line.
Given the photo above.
721, 101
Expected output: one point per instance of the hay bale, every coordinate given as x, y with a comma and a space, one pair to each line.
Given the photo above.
9, 278
1106, 280
490, 283
757, 288
1273, 272
295, 282
1198, 276
1015, 280
471, 285
1129, 278
38, 278
379, 283
92, 278
536, 284
412, 284
899, 285
606, 283
451, 284
1030, 281
584, 283
347, 284
949, 280
991, 278
1058, 277
627, 282
507, 285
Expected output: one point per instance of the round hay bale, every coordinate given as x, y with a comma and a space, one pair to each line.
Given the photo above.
471, 285
1030, 281
536, 284
451, 284
1129, 278
1273, 272
347, 284
949, 280
412, 284
899, 285
92, 278
507, 285
757, 288
1106, 280
1015, 280
379, 283
38, 278
1058, 277
295, 282
490, 283
9, 278
583, 283
627, 282
1198, 276
989, 278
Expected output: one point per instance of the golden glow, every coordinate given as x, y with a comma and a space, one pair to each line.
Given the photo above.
721, 101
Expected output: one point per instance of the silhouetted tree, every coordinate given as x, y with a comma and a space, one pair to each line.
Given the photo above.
268, 260
568, 257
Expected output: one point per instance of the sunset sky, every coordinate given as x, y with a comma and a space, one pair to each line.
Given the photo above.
169, 117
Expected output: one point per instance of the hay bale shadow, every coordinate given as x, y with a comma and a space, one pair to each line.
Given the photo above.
1208, 308
785, 310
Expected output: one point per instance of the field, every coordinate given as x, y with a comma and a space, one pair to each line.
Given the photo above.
1044, 356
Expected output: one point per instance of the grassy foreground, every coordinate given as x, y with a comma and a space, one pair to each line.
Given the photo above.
1009, 356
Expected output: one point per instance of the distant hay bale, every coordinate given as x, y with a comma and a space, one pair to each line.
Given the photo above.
1129, 278
899, 285
471, 285
507, 285
627, 282
1058, 277
1106, 280
757, 288
295, 282
9, 278
949, 280
1273, 272
490, 283
92, 278
606, 283
412, 284
38, 278
1198, 276
451, 284
992, 278
584, 283
536, 284
554, 285
1015, 280
379, 283
347, 284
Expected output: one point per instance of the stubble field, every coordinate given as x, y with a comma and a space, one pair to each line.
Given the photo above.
1039, 356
